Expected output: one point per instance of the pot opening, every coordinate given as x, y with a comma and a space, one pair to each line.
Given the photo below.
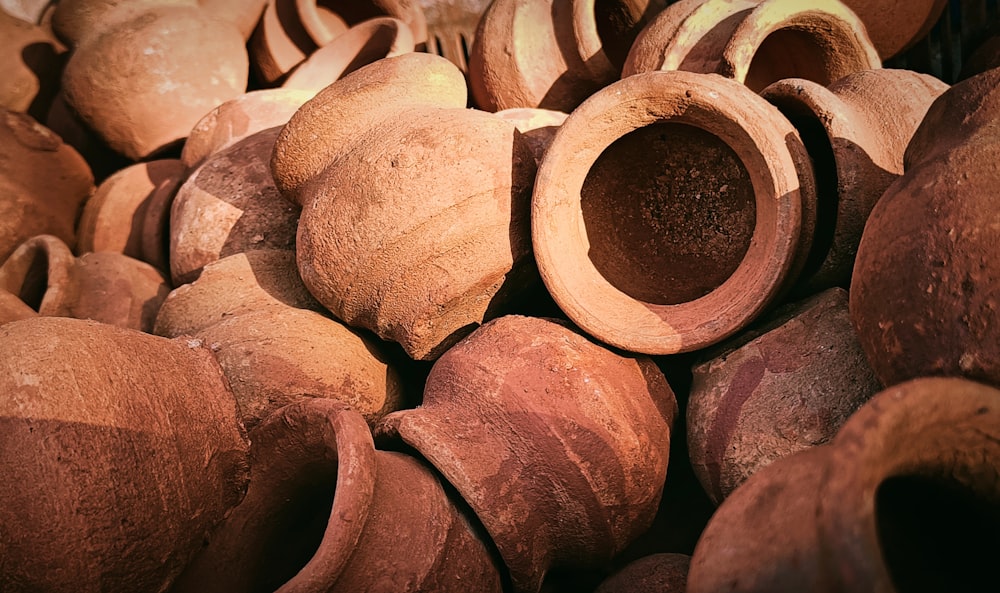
669, 211
297, 527
618, 24
938, 535
790, 53
36, 280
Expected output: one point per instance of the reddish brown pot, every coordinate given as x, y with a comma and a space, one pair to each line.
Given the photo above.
259, 280
229, 205
121, 451
895, 25
143, 79
130, 212
710, 235
108, 287
33, 61
325, 511
13, 308
906, 497
43, 183
782, 389
926, 282
558, 445
552, 54
657, 573
856, 132
362, 44
750, 41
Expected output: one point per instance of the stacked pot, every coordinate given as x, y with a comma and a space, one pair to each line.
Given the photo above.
289, 304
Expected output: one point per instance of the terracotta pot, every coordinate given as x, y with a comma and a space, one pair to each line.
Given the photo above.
130, 212
552, 54
29, 11
171, 65
709, 236
904, 498
750, 41
121, 452
72, 20
239, 118
985, 57
325, 511
103, 161
12, 308
277, 357
43, 183
108, 287
323, 128
292, 30
856, 132
782, 389
925, 288
896, 25
657, 573
33, 61
218, 212
244, 14
558, 445
537, 127
358, 46
237, 284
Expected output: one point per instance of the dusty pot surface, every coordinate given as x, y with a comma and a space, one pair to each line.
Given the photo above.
926, 282
43, 183
279, 356
145, 79
656, 573
362, 44
325, 511
906, 497
788, 389
33, 61
244, 14
558, 445
552, 54
121, 452
105, 286
895, 25
73, 20
750, 41
712, 233
130, 212
229, 205
241, 283
537, 126
856, 132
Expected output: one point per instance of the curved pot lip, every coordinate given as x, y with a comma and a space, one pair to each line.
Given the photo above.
59, 263
926, 412
720, 106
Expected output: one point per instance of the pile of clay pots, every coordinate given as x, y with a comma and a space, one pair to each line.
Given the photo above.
290, 303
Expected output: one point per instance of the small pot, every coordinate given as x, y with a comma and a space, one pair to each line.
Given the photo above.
750, 41
670, 210
558, 445
325, 511
104, 286
656, 573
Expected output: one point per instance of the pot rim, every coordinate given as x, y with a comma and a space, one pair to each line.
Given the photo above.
59, 261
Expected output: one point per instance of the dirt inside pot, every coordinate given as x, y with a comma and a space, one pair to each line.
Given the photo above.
790, 53
938, 535
669, 211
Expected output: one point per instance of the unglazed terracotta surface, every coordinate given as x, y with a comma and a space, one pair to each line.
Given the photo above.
895, 25
33, 60
656, 573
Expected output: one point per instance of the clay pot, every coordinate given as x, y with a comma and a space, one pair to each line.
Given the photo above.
291, 30
107, 287
657, 573
552, 54
558, 445
33, 60
29, 11
239, 118
325, 511
763, 397
145, 78
72, 20
229, 205
360, 45
537, 127
750, 41
121, 452
926, 283
671, 209
322, 129
103, 161
259, 280
43, 183
130, 212
985, 57
244, 14
12, 308
905, 498
896, 25
856, 132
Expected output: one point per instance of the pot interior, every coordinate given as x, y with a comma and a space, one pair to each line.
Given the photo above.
669, 211
618, 23
792, 53
938, 535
